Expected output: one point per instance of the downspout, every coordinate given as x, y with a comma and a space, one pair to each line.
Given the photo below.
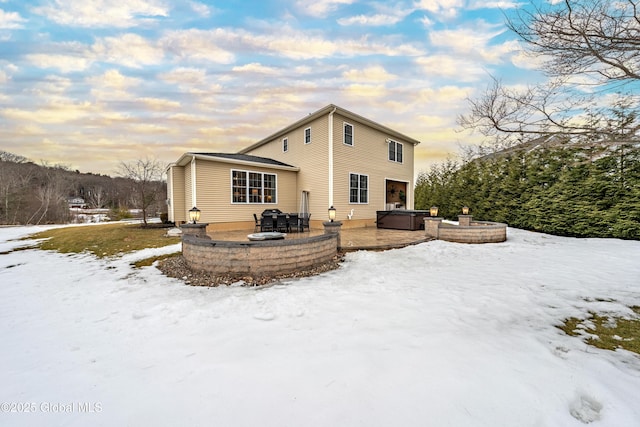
331, 156
170, 209
193, 182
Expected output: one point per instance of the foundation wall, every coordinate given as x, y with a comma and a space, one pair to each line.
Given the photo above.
258, 258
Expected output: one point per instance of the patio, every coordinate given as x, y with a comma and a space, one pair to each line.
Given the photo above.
353, 239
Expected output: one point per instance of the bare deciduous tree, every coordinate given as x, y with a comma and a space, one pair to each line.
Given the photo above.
592, 58
598, 38
15, 179
96, 196
52, 195
147, 175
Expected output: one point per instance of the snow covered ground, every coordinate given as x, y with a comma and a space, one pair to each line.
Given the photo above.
438, 334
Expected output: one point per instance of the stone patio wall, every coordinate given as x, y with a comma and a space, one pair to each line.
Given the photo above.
258, 258
477, 232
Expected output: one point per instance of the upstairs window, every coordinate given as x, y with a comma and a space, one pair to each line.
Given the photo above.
348, 134
285, 144
358, 188
307, 136
395, 151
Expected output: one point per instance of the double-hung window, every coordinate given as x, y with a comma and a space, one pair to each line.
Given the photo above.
285, 145
358, 188
348, 134
253, 187
395, 151
307, 136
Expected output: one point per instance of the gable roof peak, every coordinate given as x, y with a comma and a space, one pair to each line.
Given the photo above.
328, 109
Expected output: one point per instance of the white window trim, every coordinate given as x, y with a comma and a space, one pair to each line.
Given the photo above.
274, 202
304, 135
353, 134
285, 145
368, 189
389, 142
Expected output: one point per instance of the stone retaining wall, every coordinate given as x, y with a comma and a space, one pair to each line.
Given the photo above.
477, 232
258, 258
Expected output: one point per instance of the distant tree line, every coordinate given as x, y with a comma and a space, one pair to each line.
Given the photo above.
560, 189
33, 193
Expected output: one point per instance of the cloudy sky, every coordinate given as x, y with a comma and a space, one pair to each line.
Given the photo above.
90, 83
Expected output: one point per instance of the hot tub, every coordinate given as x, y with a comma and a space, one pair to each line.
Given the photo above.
401, 219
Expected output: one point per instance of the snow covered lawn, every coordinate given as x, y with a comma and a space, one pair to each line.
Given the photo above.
438, 334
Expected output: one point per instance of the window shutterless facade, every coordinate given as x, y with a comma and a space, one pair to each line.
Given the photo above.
285, 145
307, 136
395, 151
253, 187
348, 134
358, 188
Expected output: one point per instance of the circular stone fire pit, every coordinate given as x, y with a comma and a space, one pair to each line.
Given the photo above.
466, 231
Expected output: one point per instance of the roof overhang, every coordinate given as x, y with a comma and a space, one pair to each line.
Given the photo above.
186, 158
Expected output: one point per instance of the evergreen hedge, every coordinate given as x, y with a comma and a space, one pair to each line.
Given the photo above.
563, 190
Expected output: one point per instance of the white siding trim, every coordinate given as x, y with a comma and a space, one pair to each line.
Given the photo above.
171, 214
330, 150
194, 199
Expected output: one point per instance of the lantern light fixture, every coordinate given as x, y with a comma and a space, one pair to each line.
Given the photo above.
433, 211
194, 214
465, 210
332, 213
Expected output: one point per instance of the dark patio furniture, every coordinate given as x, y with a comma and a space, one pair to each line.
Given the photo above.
267, 223
258, 223
281, 223
270, 212
304, 222
293, 222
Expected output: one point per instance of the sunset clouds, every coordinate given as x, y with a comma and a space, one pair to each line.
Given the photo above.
90, 83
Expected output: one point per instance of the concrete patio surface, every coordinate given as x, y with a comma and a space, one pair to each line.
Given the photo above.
352, 239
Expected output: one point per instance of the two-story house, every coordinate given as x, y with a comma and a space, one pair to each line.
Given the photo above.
332, 157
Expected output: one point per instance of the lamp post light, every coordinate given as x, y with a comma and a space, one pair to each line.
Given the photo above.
332, 226
332, 213
432, 223
464, 220
194, 214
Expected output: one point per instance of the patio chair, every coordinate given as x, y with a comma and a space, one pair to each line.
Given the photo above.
258, 223
304, 222
293, 222
267, 223
281, 223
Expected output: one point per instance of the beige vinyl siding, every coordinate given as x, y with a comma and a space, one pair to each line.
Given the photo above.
368, 156
176, 174
215, 194
312, 159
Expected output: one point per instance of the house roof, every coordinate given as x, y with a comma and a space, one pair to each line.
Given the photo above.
326, 110
242, 159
